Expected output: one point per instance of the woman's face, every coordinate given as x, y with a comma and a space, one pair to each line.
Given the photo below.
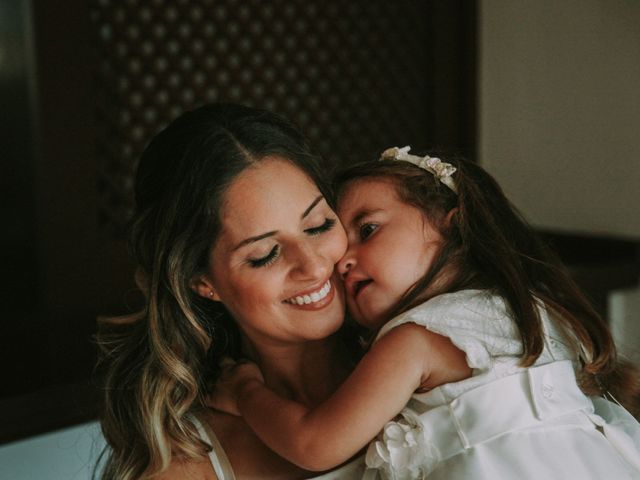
273, 263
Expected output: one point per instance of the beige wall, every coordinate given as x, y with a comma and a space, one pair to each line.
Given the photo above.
559, 110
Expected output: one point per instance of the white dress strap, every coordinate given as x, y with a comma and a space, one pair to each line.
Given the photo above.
218, 457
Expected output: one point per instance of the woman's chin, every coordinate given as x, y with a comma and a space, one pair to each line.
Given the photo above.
328, 328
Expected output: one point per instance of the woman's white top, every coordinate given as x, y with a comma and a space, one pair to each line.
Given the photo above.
221, 465
505, 421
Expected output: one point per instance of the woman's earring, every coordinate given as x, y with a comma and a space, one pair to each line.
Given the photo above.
210, 294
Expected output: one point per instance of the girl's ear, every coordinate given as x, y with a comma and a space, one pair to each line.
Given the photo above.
449, 218
202, 285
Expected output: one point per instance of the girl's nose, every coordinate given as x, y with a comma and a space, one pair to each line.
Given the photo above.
347, 262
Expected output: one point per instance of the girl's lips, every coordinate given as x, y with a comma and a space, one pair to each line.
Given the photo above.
359, 286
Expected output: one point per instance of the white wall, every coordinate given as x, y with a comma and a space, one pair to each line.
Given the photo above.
624, 312
559, 106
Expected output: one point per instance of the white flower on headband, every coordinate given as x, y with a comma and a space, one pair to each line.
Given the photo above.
439, 169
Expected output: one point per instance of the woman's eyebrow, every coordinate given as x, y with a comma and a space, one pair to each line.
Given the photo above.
311, 207
249, 240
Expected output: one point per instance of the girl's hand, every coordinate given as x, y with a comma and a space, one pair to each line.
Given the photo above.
235, 375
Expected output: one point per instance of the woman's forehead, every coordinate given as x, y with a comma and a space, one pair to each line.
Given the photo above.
271, 179
265, 195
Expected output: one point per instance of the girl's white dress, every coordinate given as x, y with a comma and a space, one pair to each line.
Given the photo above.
505, 421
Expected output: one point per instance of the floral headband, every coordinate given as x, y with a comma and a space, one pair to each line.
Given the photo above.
439, 169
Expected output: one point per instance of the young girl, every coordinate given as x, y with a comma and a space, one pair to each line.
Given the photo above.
478, 333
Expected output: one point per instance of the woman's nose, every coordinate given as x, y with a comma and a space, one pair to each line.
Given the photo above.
347, 262
311, 265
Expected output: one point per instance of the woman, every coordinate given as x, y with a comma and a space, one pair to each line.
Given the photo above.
236, 245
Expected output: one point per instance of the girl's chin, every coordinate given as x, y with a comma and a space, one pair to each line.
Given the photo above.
370, 316
368, 322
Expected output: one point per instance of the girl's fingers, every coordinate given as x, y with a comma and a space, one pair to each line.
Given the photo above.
227, 362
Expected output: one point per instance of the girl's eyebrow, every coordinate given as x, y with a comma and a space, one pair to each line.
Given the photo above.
362, 214
255, 238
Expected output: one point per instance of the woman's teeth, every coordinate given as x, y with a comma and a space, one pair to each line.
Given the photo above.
312, 297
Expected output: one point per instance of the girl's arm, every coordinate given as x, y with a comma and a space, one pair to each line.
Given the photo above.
407, 358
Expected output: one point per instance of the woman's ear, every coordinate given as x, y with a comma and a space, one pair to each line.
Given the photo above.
201, 284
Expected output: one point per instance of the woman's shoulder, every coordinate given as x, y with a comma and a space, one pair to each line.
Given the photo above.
245, 454
202, 468
250, 458
189, 470
228, 440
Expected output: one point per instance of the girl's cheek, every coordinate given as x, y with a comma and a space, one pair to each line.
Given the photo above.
340, 242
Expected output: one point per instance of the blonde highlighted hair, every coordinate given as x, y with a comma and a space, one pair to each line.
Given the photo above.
156, 365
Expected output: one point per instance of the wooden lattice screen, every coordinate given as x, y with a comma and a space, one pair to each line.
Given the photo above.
352, 75
356, 75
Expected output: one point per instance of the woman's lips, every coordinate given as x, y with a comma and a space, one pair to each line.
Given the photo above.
313, 300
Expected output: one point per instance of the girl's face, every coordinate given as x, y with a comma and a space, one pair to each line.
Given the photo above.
391, 246
274, 261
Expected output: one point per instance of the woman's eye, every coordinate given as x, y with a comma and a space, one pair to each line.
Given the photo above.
367, 229
268, 259
325, 227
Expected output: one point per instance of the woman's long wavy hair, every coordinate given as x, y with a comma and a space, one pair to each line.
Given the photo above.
490, 246
157, 364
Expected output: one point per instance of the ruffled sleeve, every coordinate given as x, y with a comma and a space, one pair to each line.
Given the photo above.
476, 321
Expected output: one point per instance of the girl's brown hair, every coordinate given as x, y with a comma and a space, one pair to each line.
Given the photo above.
492, 247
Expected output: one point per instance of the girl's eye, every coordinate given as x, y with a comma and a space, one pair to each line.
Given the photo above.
266, 260
325, 227
367, 229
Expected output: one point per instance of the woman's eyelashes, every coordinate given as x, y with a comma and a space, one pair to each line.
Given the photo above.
274, 253
268, 259
327, 225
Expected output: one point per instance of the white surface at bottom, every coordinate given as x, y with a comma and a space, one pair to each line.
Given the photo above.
68, 454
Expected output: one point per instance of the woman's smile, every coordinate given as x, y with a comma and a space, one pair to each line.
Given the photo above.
316, 298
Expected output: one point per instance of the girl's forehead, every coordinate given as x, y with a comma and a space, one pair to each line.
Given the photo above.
362, 188
366, 194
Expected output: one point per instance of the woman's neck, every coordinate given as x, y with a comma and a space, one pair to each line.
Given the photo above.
308, 372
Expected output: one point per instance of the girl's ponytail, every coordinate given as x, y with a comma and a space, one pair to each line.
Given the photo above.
512, 258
